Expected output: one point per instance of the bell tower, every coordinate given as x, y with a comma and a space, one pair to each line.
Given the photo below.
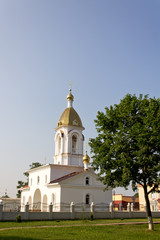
69, 138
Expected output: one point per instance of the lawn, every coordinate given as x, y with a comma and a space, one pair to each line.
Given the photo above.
71, 222
63, 231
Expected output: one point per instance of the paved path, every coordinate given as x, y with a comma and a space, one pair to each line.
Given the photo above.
77, 225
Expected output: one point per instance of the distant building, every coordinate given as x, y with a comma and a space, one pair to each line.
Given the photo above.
154, 199
10, 204
69, 179
120, 200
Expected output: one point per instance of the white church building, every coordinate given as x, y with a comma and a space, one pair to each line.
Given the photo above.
69, 179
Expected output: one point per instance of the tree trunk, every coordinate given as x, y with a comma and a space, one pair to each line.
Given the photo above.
148, 209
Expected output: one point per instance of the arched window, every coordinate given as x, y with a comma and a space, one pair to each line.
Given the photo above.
87, 199
87, 180
74, 144
38, 180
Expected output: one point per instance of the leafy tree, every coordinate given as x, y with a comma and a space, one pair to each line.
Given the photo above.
127, 148
136, 195
19, 186
21, 183
5, 196
33, 165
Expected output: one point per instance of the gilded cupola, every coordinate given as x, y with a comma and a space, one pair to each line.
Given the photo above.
86, 160
70, 117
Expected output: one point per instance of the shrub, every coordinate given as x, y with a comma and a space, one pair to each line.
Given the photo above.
18, 218
91, 217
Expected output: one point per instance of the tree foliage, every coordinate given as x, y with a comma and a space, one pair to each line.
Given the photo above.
127, 148
136, 195
33, 165
21, 183
19, 186
5, 196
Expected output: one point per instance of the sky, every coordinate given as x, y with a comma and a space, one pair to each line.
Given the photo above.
107, 48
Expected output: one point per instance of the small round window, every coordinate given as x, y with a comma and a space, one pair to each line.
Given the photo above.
75, 123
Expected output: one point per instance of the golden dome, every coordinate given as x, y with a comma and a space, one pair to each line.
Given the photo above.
86, 158
69, 117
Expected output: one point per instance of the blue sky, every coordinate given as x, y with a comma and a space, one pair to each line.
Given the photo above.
106, 48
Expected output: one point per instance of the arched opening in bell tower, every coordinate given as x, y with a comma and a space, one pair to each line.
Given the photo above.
74, 144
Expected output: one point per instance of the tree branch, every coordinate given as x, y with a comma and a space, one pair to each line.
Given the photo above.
153, 189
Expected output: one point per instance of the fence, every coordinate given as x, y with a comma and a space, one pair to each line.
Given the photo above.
41, 211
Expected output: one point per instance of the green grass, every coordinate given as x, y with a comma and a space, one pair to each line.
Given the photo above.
70, 222
120, 232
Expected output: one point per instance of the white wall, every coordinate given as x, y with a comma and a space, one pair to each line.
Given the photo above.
75, 189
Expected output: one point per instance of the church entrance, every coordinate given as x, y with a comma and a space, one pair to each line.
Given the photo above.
37, 201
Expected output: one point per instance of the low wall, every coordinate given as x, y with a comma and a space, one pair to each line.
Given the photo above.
10, 216
72, 214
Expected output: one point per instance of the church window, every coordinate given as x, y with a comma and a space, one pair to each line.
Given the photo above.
87, 199
87, 180
31, 182
74, 144
38, 180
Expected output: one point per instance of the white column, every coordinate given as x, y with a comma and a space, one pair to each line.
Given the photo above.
72, 210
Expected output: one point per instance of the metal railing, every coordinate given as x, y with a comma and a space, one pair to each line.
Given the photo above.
82, 207
101, 207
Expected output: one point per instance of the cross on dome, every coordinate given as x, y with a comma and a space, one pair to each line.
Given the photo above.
70, 97
70, 84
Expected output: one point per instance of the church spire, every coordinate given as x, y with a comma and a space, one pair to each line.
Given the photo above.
70, 97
